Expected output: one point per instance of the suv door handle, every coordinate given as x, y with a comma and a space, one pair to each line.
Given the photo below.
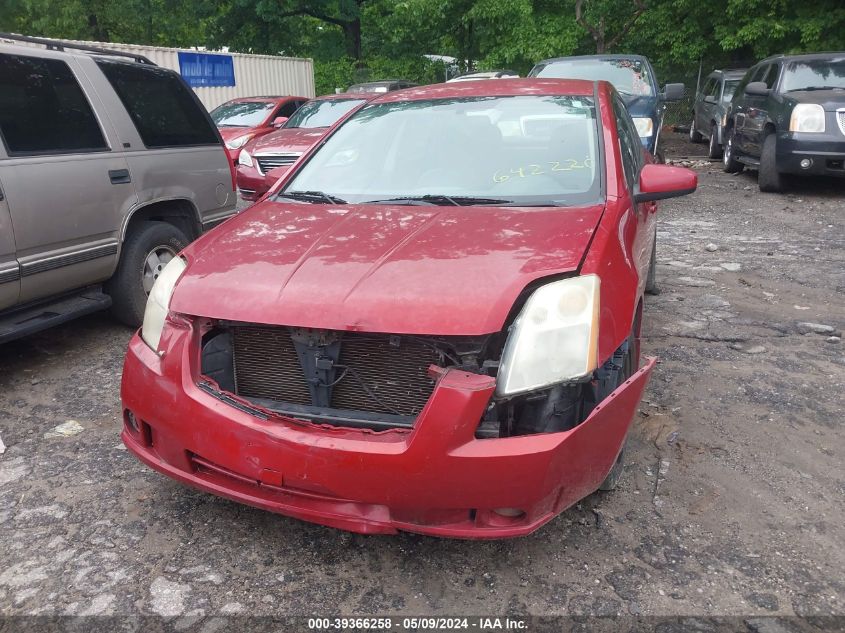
119, 176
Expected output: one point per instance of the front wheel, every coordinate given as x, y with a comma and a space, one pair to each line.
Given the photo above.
146, 252
630, 364
714, 150
769, 178
651, 277
729, 163
694, 135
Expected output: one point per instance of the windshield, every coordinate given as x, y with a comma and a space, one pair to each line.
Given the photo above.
730, 88
322, 113
816, 73
628, 76
509, 150
241, 113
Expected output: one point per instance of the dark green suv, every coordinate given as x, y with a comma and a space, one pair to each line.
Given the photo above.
788, 117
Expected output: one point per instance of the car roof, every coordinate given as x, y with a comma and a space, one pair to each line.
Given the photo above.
263, 99
346, 96
493, 88
803, 57
382, 82
729, 73
608, 56
490, 73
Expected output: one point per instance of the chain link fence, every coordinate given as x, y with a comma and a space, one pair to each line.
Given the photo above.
679, 113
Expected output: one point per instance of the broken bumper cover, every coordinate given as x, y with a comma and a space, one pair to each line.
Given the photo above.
437, 479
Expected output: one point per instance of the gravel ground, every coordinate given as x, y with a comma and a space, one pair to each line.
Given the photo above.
731, 502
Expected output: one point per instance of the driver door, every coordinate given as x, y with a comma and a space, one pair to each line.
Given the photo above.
10, 278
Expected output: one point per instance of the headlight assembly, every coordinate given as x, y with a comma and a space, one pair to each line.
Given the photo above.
245, 159
237, 143
158, 303
807, 117
554, 339
644, 125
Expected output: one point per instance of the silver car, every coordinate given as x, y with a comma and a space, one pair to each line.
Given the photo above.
710, 108
109, 166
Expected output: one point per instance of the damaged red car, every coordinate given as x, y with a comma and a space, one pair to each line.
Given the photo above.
430, 324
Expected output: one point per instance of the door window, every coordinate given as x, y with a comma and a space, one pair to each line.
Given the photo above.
164, 110
288, 109
771, 76
629, 142
43, 109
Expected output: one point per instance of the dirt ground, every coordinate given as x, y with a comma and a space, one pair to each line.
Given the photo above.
732, 501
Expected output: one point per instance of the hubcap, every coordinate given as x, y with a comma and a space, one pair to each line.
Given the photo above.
154, 263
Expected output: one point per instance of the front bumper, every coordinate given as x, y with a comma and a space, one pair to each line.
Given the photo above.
825, 151
251, 183
437, 479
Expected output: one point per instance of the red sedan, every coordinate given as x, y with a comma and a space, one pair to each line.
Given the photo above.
266, 159
241, 120
430, 324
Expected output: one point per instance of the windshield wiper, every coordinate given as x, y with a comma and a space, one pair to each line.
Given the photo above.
437, 200
817, 88
312, 197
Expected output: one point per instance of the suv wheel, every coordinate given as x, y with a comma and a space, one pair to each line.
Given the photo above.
729, 163
714, 150
694, 135
769, 178
145, 253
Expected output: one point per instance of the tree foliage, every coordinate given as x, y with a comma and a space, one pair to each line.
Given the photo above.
353, 40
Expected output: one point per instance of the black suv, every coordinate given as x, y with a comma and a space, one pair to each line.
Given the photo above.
788, 117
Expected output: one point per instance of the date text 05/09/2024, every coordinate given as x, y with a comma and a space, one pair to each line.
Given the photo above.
476, 623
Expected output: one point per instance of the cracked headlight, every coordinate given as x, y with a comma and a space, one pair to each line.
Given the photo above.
554, 339
644, 125
158, 303
245, 159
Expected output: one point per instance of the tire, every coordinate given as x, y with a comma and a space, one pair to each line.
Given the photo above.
651, 277
714, 150
769, 179
145, 252
729, 164
629, 366
694, 135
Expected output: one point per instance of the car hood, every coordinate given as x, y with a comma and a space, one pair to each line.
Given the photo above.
376, 268
289, 140
830, 100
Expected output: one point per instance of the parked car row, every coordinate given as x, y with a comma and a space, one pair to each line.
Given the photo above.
784, 116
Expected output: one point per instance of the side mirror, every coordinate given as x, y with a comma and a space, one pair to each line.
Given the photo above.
710, 99
279, 121
757, 89
673, 92
658, 182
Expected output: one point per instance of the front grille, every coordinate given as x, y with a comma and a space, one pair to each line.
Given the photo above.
374, 373
266, 162
840, 119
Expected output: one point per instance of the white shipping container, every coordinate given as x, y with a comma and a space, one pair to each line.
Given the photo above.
255, 75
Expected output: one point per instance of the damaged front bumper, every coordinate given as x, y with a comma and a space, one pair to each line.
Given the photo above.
435, 479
